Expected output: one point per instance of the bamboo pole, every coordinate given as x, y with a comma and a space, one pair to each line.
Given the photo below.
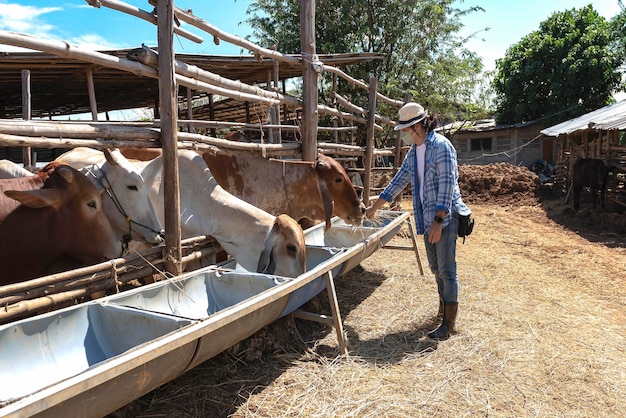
149, 57
63, 49
347, 116
363, 85
356, 109
142, 14
26, 113
44, 142
84, 130
370, 145
91, 89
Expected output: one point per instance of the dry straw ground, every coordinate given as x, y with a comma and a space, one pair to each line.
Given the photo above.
541, 327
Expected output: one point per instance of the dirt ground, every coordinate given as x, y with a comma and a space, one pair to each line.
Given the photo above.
541, 330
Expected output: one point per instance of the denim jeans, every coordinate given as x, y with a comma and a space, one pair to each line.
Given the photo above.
442, 261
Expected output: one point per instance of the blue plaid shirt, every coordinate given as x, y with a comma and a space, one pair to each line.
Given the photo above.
441, 182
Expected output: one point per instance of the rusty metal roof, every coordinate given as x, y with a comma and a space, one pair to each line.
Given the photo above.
59, 85
608, 117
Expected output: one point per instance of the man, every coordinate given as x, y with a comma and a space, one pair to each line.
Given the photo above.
431, 167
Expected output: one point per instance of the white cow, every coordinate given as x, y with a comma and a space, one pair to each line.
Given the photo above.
10, 170
258, 241
125, 198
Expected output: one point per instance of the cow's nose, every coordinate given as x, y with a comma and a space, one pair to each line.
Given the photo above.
363, 210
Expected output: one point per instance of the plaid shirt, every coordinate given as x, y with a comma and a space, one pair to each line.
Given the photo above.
441, 182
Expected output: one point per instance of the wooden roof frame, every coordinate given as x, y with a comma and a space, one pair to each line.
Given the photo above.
59, 86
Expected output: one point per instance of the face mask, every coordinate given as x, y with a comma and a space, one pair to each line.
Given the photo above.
407, 139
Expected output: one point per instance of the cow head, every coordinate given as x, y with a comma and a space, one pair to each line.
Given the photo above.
337, 191
69, 207
285, 242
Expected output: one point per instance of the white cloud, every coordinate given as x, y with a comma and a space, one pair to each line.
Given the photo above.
93, 42
24, 19
30, 20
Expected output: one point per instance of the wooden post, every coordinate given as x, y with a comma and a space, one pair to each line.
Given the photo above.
26, 113
212, 113
91, 89
369, 147
190, 127
278, 138
169, 137
309, 81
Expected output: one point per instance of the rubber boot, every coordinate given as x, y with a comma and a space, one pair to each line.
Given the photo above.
440, 312
447, 324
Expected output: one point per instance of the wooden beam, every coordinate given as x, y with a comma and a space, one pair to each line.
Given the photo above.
168, 112
309, 80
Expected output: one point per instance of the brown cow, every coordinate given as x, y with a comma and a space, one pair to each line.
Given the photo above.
313, 191
52, 221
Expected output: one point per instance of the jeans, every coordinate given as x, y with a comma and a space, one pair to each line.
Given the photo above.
442, 261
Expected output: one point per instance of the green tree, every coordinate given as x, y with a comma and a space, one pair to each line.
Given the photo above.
564, 69
423, 51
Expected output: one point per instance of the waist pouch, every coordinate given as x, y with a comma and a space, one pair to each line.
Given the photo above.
466, 226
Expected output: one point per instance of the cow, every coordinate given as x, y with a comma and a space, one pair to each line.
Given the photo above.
10, 170
592, 173
257, 240
126, 200
50, 222
310, 192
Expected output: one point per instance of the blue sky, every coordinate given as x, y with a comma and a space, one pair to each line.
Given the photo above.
80, 24
77, 23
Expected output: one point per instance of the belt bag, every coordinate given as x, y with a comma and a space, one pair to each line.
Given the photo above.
466, 226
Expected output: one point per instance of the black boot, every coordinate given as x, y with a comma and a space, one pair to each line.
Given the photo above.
447, 325
440, 312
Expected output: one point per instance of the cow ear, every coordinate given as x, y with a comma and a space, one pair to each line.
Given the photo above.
36, 199
110, 156
327, 201
66, 173
267, 260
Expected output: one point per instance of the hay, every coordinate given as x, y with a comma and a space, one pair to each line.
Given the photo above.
541, 332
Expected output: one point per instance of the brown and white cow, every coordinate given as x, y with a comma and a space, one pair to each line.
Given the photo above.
125, 197
52, 221
257, 240
313, 191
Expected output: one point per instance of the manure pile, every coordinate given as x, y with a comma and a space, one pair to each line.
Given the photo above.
500, 183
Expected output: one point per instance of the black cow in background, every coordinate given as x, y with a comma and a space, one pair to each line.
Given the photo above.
592, 173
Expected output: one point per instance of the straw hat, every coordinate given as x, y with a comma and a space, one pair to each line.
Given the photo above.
410, 114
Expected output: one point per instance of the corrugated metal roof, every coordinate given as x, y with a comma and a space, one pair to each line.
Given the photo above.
608, 117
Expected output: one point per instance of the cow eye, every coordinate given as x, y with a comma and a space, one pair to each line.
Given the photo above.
92, 204
134, 188
292, 248
338, 180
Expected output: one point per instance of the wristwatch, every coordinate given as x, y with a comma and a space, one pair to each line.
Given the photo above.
438, 219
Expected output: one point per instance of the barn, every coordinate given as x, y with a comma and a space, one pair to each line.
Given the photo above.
599, 134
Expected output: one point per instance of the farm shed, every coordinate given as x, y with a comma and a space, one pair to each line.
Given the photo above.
598, 134
484, 142
132, 81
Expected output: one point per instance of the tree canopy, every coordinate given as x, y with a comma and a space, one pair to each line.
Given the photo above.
424, 53
566, 68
